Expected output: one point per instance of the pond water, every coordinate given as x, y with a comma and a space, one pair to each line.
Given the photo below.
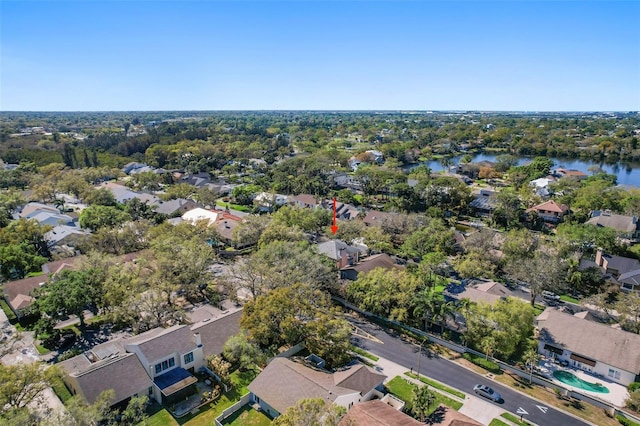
627, 173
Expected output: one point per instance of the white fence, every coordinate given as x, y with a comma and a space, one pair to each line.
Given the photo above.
235, 407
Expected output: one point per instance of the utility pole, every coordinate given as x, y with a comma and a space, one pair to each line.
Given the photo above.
420, 355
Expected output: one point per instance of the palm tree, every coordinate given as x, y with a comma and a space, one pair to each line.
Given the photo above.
531, 358
445, 310
426, 305
422, 398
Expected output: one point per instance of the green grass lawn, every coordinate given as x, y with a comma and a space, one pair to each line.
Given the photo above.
498, 422
247, 416
567, 298
404, 390
514, 419
364, 353
208, 413
437, 385
42, 350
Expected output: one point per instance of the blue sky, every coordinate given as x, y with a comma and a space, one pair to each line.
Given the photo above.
339, 55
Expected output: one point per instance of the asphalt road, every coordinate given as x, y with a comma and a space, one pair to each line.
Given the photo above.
406, 354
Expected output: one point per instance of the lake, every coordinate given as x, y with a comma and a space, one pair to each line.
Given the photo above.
628, 174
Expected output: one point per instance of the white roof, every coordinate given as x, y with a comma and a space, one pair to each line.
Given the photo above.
198, 214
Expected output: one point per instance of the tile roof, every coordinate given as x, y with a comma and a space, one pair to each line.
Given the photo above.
550, 206
376, 413
615, 347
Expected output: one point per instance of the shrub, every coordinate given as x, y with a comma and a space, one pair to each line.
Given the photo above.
626, 422
69, 354
481, 362
633, 386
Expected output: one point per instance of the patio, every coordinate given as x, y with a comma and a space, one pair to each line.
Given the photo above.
617, 393
184, 407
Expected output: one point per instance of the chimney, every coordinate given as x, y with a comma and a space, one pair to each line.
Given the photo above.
599, 257
198, 340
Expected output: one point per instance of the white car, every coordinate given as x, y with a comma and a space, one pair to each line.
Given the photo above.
550, 296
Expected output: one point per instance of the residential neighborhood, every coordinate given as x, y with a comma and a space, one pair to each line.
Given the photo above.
349, 288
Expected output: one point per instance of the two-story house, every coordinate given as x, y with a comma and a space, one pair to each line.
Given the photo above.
159, 363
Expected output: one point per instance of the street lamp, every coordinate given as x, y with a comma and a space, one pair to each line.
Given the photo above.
420, 354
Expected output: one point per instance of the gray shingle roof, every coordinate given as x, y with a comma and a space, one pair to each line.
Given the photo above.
600, 342
159, 343
215, 332
334, 248
284, 382
618, 222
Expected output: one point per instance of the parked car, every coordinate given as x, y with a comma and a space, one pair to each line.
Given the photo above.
550, 296
487, 392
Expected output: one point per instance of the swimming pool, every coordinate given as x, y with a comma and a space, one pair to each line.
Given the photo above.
572, 380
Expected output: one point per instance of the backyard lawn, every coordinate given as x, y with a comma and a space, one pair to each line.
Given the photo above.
248, 417
209, 412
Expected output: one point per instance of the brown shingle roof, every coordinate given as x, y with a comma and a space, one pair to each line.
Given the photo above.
376, 413
377, 218
24, 287
124, 374
615, 347
381, 260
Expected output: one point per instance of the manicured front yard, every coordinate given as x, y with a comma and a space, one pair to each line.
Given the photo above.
437, 385
404, 390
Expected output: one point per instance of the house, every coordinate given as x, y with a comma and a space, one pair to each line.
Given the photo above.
266, 201
122, 194
198, 214
304, 201
354, 163
377, 156
33, 208
550, 211
541, 185
19, 294
565, 337
52, 219
346, 211
175, 207
381, 260
158, 363
620, 270
478, 291
377, 218
225, 225
63, 237
376, 413
484, 203
132, 167
569, 173
626, 226
284, 382
339, 251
